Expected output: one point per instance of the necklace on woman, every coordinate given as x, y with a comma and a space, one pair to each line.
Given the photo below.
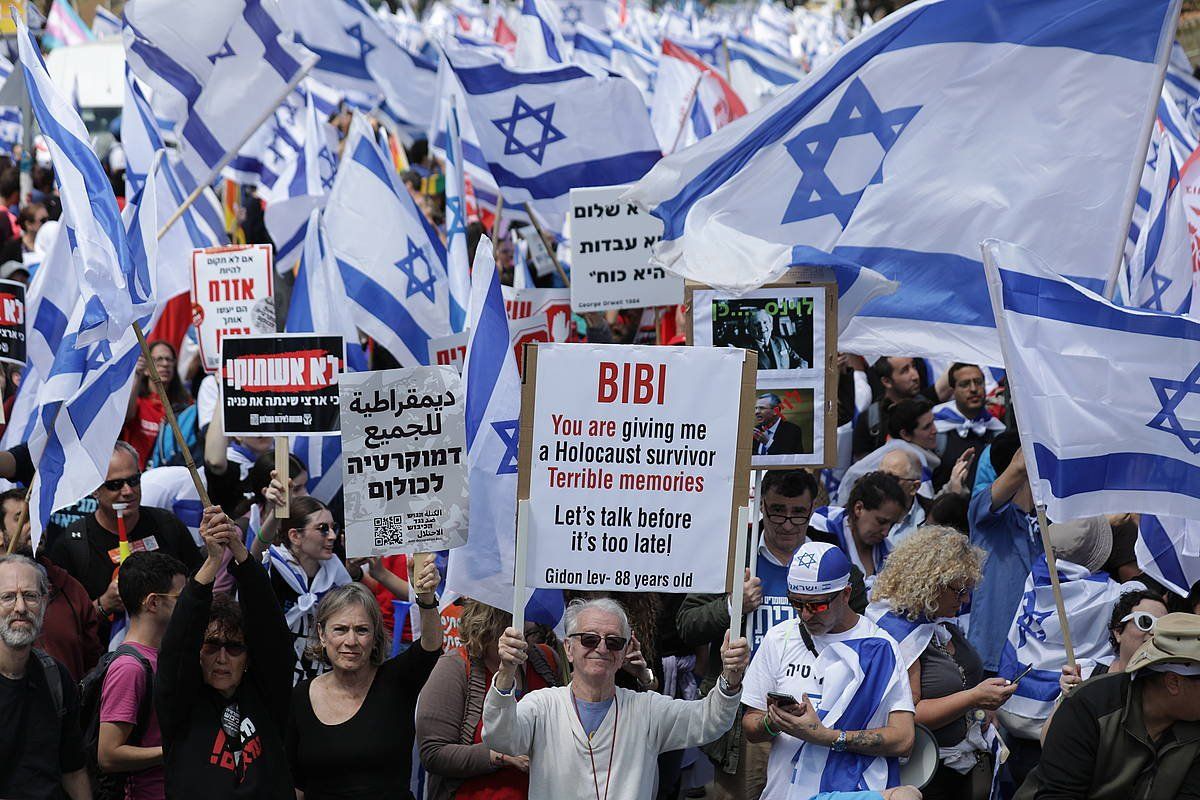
591, 753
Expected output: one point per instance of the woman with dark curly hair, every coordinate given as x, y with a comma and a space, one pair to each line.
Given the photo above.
224, 680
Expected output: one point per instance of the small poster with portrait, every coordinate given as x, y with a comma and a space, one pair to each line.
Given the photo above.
792, 326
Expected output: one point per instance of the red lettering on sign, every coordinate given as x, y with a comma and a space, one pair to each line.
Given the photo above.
12, 310
223, 289
303, 370
631, 383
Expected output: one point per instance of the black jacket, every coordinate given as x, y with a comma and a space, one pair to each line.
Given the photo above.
198, 758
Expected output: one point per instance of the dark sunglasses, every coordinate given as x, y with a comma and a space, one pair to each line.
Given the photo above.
211, 646
325, 529
116, 483
813, 606
615, 644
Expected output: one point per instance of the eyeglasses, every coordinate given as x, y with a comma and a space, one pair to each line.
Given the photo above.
133, 481
910, 481
325, 529
614, 644
796, 519
212, 646
961, 591
1144, 620
9, 599
813, 606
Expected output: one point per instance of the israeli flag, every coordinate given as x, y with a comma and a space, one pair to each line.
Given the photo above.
84, 398
1168, 550
635, 62
691, 99
1106, 423
539, 42
360, 57
1160, 273
544, 133
105, 23
397, 284
758, 72
1036, 637
456, 223
912, 636
217, 82
592, 48
115, 285
898, 152
483, 567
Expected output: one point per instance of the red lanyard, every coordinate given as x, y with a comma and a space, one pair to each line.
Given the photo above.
612, 747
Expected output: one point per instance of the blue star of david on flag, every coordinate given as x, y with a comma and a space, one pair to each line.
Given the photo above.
408, 265
1170, 395
225, 52
328, 167
1029, 626
513, 144
857, 113
508, 431
572, 14
356, 33
457, 224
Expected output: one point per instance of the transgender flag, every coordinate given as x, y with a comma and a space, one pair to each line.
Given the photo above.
64, 27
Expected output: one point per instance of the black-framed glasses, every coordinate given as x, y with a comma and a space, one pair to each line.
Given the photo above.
795, 519
814, 606
325, 529
614, 644
115, 485
212, 646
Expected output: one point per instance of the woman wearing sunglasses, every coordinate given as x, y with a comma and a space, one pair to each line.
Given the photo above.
224, 680
1133, 618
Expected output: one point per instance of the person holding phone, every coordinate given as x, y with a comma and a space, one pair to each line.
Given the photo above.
827, 688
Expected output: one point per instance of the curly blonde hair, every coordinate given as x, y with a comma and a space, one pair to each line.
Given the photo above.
480, 625
923, 565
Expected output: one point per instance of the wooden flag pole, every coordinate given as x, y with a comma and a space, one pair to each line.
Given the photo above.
739, 567
283, 469
519, 591
1051, 562
546, 243
22, 518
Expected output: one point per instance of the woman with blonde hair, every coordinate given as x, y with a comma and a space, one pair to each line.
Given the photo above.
916, 599
450, 713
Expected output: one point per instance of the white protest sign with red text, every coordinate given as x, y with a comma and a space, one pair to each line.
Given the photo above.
630, 459
232, 293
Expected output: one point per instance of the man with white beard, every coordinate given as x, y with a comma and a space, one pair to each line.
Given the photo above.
40, 737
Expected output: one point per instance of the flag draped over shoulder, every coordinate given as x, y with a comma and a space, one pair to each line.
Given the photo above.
943, 124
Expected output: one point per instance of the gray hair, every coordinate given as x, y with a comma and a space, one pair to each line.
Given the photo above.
121, 446
605, 605
333, 602
771, 398
25, 561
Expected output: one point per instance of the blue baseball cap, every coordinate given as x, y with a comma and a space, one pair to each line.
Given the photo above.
818, 568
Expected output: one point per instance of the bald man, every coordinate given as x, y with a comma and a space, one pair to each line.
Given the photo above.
906, 468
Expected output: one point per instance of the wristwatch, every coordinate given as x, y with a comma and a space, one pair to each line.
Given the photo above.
727, 688
839, 745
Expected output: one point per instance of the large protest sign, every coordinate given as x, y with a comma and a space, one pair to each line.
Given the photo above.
792, 326
12, 322
404, 451
611, 244
633, 460
281, 384
232, 293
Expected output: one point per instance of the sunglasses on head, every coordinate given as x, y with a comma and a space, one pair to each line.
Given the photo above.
614, 644
211, 646
813, 606
1142, 619
115, 484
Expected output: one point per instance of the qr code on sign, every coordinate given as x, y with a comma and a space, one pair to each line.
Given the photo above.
389, 530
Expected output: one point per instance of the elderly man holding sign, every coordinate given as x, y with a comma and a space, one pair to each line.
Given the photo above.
591, 739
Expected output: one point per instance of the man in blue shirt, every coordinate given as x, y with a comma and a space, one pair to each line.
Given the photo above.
1003, 523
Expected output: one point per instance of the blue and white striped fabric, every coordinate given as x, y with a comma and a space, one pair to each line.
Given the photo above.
10, 116
947, 418
105, 23
546, 132
359, 56
635, 62
82, 403
457, 262
593, 49
483, 567
1160, 270
539, 42
116, 286
1036, 639
856, 284
1106, 423
397, 284
757, 72
869, 158
1168, 550
236, 61
836, 522
913, 636
302, 188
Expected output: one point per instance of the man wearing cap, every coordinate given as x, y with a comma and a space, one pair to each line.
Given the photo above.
1133, 734
851, 690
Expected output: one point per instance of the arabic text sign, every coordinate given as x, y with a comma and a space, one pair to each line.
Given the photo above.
282, 384
630, 459
404, 447
231, 294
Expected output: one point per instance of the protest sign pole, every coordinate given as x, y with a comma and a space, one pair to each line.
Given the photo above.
756, 521
518, 614
170, 413
739, 563
547, 242
1055, 586
496, 221
283, 465
215, 173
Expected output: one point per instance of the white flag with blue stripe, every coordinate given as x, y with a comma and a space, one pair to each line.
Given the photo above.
457, 262
1160, 272
1107, 425
758, 72
950, 121
116, 287
397, 283
1036, 638
539, 42
214, 69
1168, 550
483, 567
544, 133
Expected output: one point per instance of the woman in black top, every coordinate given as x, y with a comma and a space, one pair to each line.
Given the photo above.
921, 587
350, 734
224, 680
